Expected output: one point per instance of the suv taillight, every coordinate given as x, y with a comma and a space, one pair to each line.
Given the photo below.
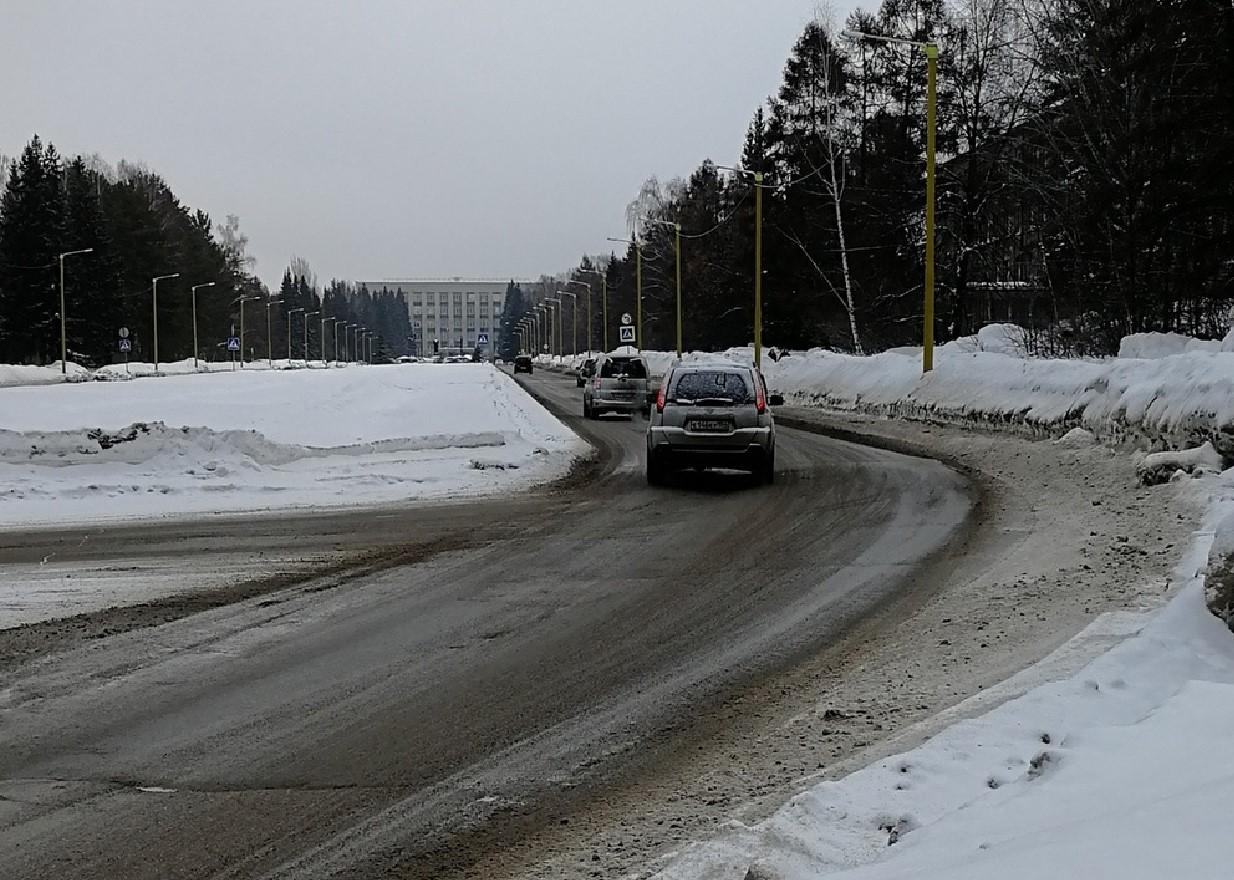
662, 393
595, 383
760, 398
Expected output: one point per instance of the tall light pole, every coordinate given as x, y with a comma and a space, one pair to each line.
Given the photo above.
573, 317
541, 311
64, 336
193, 292
757, 177
554, 324
307, 315
157, 279
269, 334
638, 294
242, 300
290, 326
931, 53
590, 345
325, 361
677, 254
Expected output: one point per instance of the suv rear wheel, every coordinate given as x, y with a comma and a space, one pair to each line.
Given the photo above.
656, 474
767, 469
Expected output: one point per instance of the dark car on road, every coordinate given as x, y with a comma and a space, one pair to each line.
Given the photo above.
522, 363
712, 415
585, 372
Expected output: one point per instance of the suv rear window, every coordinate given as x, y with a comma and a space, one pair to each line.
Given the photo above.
728, 385
632, 368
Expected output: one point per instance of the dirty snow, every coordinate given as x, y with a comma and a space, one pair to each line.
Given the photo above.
1121, 770
258, 440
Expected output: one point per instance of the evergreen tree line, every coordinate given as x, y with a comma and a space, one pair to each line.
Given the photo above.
340, 311
136, 229
1085, 185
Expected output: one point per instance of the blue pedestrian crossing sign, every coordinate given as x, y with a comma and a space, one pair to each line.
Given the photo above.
233, 343
126, 345
482, 339
627, 334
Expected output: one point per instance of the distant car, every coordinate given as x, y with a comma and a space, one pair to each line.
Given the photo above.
712, 415
522, 364
619, 384
407, 359
585, 372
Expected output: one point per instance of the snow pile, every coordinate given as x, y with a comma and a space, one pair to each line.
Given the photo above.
1123, 770
257, 440
1175, 401
1159, 345
21, 374
1157, 467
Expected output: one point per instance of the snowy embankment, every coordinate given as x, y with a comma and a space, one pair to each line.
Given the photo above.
259, 440
1175, 393
1123, 770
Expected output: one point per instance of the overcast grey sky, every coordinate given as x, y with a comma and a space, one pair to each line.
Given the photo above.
383, 138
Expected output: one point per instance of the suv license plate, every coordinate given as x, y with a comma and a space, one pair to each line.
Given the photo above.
710, 426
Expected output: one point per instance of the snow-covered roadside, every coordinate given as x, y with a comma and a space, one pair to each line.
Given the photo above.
259, 440
1123, 770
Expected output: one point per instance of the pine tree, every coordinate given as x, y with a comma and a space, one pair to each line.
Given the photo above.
31, 232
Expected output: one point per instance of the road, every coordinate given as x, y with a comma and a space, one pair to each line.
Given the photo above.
475, 671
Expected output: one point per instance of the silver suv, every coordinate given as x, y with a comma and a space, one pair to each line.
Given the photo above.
712, 415
619, 384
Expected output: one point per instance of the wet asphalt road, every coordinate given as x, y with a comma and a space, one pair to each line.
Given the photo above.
518, 656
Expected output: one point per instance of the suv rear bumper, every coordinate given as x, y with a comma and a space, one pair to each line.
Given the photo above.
744, 448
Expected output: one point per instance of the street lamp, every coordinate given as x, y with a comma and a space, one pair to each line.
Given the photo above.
242, 300
193, 291
638, 294
573, 317
554, 324
758, 259
269, 335
157, 279
290, 326
590, 346
677, 254
64, 339
325, 362
307, 315
931, 53
541, 313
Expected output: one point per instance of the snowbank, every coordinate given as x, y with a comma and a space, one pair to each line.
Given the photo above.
1159, 345
1176, 401
1123, 770
21, 374
257, 440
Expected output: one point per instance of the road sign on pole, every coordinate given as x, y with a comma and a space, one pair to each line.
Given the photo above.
233, 343
126, 344
626, 319
482, 339
627, 333
124, 332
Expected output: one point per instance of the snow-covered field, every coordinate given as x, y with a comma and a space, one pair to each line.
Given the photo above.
1123, 770
261, 439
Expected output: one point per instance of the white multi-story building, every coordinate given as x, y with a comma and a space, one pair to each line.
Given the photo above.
451, 312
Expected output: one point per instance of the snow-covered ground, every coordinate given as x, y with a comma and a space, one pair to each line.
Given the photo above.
262, 439
1122, 770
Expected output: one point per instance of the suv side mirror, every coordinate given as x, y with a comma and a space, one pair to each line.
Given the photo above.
776, 400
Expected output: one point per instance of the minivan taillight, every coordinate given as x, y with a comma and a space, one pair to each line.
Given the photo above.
660, 399
595, 383
760, 399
